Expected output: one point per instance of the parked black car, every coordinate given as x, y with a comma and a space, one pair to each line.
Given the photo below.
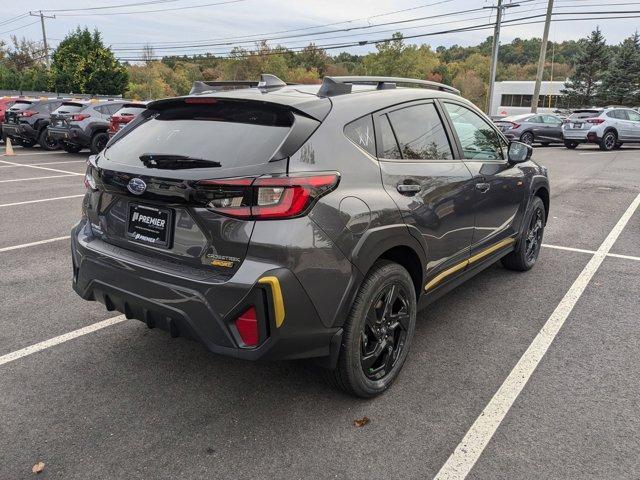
532, 127
26, 123
87, 127
284, 222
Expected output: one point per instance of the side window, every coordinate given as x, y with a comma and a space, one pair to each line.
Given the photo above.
533, 120
478, 140
360, 132
389, 147
550, 120
633, 116
420, 133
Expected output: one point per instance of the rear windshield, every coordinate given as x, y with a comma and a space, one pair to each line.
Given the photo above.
69, 108
20, 105
235, 134
579, 115
125, 111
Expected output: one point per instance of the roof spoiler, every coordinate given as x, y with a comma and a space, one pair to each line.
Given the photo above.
267, 81
332, 86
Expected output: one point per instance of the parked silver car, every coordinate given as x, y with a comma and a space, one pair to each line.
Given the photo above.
532, 127
609, 128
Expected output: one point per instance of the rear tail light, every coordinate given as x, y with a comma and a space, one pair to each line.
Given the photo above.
595, 121
515, 125
247, 326
265, 198
27, 113
89, 180
78, 117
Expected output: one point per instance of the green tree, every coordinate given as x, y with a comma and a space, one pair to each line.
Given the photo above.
591, 64
621, 82
394, 58
82, 64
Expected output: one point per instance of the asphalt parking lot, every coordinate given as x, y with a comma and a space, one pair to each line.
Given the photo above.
117, 400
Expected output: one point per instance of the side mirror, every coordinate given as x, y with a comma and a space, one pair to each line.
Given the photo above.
519, 152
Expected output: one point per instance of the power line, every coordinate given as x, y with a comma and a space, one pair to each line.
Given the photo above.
137, 12
14, 19
138, 4
487, 26
301, 28
18, 28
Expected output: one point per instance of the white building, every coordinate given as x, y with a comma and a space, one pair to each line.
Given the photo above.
514, 97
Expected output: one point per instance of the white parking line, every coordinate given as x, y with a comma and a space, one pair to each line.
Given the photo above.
40, 200
43, 163
581, 250
33, 244
35, 153
464, 457
10, 357
38, 178
40, 168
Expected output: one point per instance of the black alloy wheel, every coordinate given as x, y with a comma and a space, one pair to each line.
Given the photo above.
533, 241
384, 332
609, 141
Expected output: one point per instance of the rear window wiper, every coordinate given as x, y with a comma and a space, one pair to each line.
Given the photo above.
175, 162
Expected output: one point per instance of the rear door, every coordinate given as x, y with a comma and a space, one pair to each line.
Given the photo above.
499, 194
634, 119
552, 127
432, 189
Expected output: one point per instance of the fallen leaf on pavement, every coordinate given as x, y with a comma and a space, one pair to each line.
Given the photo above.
38, 467
361, 422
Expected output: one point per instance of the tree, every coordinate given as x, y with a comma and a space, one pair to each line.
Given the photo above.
394, 58
591, 63
82, 64
621, 82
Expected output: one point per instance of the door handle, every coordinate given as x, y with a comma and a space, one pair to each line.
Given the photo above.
483, 187
408, 187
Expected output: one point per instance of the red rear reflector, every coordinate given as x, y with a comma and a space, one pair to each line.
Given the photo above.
247, 326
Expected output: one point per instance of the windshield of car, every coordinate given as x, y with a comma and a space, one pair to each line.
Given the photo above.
69, 107
20, 105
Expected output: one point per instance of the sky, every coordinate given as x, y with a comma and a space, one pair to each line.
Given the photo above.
179, 28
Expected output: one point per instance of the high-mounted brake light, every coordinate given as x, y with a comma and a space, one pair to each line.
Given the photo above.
595, 121
200, 100
266, 198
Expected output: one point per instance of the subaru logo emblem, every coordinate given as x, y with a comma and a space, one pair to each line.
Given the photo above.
136, 186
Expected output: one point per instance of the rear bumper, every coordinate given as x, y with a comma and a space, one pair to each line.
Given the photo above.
19, 130
70, 135
200, 306
575, 135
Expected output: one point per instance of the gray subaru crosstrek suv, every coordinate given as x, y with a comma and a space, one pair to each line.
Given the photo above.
283, 221
84, 125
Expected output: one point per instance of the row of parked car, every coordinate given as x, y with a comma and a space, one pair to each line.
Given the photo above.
69, 124
608, 127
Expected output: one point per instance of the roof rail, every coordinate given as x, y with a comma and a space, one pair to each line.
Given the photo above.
332, 86
266, 81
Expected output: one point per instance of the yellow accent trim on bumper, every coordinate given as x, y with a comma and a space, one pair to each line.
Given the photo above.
276, 294
459, 266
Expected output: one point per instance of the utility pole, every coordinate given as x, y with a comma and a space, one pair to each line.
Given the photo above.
494, 49
543, 54
44, 34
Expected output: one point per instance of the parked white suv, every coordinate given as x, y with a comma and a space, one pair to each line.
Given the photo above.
609, 127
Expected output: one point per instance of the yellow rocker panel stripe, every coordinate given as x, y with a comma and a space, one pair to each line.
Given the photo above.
276, 294
459, 266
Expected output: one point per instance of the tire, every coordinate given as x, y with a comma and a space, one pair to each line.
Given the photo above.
71, 148
370, 329
527, 137
46, 142
98, 142
545, 144
619, 145
525, 255
608, 141
570, 145
27, 143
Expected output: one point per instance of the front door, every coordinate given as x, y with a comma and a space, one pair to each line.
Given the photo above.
500, 197
433, 191
634, 119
